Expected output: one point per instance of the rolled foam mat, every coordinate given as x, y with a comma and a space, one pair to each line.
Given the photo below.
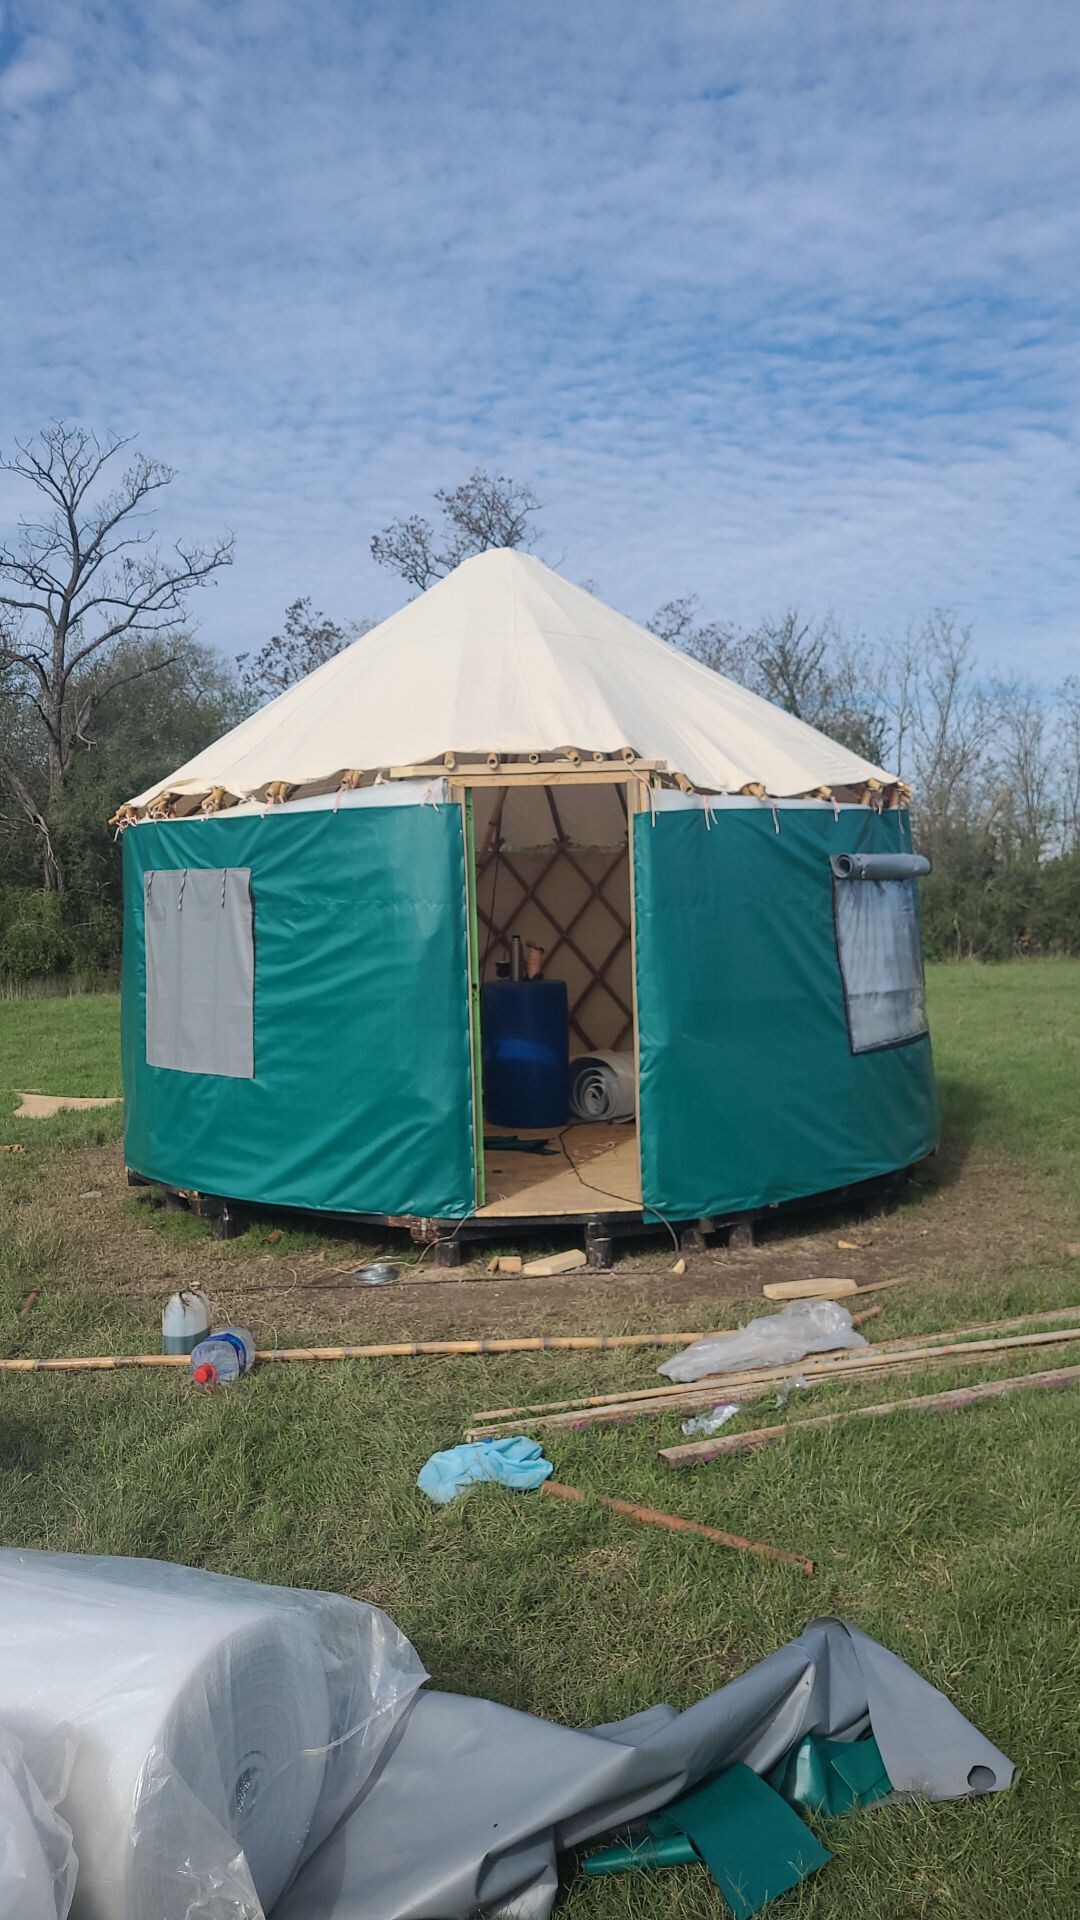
202, 1717
37, 1860
603, 1086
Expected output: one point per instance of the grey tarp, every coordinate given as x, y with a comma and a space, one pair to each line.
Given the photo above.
472, 1801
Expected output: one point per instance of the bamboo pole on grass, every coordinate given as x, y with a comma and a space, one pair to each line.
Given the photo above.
642, 1393
392, 1350
741, 1387
677, 1392
698, 1453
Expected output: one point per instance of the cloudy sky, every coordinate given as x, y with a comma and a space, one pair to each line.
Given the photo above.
772, 302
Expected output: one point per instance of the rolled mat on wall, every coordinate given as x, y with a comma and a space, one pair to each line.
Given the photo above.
603, 1086
220, 1728
880, 866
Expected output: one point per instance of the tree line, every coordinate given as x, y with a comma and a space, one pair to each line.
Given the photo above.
104, 689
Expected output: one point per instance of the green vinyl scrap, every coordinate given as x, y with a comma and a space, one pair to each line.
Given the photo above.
361, 1099
749, 1091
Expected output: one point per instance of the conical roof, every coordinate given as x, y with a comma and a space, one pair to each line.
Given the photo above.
505, 657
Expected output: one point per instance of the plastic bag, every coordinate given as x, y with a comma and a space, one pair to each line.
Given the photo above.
707, 1423
793, 1380
220, 1728
774, 1340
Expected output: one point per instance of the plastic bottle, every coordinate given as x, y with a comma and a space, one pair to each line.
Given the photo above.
221, 1359
185, 1321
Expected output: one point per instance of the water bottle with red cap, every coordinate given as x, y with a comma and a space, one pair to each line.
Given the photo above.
222, 1358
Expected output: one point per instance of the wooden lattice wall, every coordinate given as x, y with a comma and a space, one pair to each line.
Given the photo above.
575, 903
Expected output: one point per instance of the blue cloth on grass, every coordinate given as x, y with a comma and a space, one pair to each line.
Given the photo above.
514, 1462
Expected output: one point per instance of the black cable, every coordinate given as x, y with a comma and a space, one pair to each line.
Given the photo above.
606, 1192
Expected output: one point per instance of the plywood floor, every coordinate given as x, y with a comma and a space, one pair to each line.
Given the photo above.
534, 1183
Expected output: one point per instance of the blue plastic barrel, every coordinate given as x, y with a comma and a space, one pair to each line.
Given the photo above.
525, 1025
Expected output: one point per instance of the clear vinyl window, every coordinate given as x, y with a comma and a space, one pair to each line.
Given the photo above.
880, 952
200, 970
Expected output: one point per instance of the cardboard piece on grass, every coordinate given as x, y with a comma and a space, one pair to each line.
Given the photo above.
754, 1846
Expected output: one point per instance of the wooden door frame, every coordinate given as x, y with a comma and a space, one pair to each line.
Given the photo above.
634, 782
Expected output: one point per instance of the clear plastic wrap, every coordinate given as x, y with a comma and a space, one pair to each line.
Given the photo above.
774, 1340
37, 1859
220, 1728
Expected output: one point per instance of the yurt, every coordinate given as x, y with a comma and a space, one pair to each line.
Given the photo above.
509, 914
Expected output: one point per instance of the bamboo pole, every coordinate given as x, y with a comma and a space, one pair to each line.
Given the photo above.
674, 1523
681, 1389
393, 1350
635, 1393
956, 1401
697, 1402
739, 1387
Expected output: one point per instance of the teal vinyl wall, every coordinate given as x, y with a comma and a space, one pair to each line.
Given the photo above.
750, 1092
361, 1099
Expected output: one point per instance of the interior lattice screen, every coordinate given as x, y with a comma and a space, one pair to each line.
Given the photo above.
200, 970
877, 938
574, 902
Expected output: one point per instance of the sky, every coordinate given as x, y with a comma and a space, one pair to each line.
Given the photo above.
768, 302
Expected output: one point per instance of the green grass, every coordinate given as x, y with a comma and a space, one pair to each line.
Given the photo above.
956, 1541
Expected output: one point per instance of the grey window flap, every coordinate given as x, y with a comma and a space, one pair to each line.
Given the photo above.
200, 970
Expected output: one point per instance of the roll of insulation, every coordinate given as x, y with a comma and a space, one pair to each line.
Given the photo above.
603, 1086
37, 1859
200, 1715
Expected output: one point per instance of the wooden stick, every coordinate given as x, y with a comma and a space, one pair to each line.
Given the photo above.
680, 1390
653, 1517
826, 1289
901, 1369
740, 1387
699, 1452
537, 1343
643, 1393
394, 1350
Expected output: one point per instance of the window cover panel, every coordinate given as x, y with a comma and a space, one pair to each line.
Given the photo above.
200, 970
880, 952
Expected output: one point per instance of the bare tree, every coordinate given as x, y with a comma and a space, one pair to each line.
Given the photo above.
1022, 762
715, 643
486, 510
949, 719
1067, 754
75, 585
307, 640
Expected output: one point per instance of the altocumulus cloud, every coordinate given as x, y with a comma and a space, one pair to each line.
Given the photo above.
772, 302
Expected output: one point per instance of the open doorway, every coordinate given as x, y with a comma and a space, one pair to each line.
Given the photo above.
553, 903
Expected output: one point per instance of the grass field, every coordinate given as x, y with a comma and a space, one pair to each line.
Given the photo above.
953, 1540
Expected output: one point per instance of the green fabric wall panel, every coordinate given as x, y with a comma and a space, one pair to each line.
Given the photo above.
362, 1095
750, 1093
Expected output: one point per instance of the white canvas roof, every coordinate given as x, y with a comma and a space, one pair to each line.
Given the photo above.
506, 657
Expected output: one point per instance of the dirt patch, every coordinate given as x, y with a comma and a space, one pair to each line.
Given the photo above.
987, 1207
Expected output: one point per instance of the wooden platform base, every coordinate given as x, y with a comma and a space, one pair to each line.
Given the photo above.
593, 1168
537, 1198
